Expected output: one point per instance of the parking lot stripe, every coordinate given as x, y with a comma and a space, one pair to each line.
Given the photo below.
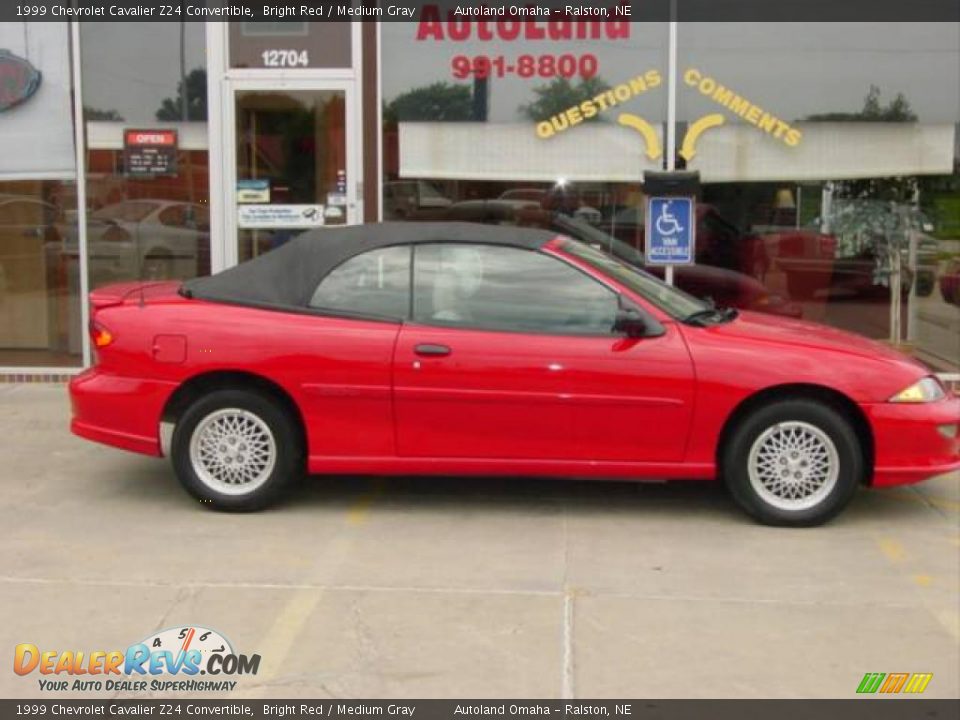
357, 514
293, 616
897, 555
567, 681
286, 627
892, 549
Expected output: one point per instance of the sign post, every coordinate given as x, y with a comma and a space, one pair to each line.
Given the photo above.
671, 219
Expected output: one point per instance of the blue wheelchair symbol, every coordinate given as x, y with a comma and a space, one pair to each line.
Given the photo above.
670, 231
666, 223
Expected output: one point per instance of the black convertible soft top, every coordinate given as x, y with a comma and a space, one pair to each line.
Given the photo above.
288, 276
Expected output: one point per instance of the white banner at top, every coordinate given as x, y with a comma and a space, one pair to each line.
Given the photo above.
36, 115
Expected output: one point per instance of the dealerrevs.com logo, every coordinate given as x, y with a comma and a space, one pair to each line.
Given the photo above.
168, 661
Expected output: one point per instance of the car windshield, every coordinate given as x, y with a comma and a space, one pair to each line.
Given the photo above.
675, 303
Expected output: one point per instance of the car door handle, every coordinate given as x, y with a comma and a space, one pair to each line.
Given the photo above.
428, 350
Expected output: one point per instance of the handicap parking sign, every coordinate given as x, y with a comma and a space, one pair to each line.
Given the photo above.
670, 231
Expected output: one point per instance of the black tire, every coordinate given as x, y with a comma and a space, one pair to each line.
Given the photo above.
288, 463
735, 461
925, 283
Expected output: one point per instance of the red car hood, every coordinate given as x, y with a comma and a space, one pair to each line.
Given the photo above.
762, 327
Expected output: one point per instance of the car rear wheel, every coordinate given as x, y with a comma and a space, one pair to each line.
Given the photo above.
236, 450
794, 462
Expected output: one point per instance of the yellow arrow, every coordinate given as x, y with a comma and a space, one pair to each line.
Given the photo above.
696, 129
643, 127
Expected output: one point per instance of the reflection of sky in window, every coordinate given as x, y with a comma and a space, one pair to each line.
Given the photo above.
131, 67
792, 69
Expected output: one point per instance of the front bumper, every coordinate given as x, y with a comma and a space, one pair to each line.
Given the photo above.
120, 411
909, 440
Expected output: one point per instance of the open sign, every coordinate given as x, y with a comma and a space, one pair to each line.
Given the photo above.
150, 153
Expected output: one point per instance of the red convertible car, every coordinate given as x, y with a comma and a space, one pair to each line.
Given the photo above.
448, 348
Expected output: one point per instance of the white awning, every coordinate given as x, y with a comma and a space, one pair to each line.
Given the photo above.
606, 152
498, 151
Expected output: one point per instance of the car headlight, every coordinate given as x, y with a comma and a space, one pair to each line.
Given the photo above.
926, 390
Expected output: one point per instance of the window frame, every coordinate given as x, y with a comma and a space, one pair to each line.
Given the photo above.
619, 298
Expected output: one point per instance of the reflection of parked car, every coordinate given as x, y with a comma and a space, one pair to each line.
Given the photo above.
559, 198
459, 348
148, 239
950, 282
854, 259
725, 288
412, 199
718, 242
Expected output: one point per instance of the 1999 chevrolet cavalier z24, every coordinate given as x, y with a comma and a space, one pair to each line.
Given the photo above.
467, 349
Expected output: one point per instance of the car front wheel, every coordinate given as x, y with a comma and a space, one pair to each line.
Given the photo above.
794, 462
236, 450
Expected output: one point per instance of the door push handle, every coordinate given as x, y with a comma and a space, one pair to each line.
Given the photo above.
427, 350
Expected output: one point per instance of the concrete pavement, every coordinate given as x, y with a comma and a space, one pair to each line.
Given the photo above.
420, 587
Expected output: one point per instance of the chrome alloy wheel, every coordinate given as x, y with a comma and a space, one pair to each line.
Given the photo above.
232, 451
793, 466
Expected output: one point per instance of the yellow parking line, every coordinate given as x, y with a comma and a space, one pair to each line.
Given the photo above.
892, 549
287, 626
284, 631
358, 513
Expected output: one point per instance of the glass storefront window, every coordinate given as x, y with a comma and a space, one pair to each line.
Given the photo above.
39, 274
831, 148
828, 154
145, 96
39, 266
510, 123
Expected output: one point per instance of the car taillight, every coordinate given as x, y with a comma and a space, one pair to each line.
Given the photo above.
100, 335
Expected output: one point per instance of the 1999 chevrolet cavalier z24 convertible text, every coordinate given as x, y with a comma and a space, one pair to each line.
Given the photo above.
467, 349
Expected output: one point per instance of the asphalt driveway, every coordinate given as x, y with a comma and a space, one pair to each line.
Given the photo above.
430, 587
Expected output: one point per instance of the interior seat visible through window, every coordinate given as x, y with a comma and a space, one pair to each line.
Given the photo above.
505, 288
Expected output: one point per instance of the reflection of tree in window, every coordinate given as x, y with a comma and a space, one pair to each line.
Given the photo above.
171, 109
560, 95
439, 102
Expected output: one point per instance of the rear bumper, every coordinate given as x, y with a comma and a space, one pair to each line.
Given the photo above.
910, 440
120, 411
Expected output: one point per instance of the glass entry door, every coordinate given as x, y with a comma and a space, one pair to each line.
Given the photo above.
295, 161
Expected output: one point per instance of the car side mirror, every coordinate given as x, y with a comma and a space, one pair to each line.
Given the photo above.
630, 322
